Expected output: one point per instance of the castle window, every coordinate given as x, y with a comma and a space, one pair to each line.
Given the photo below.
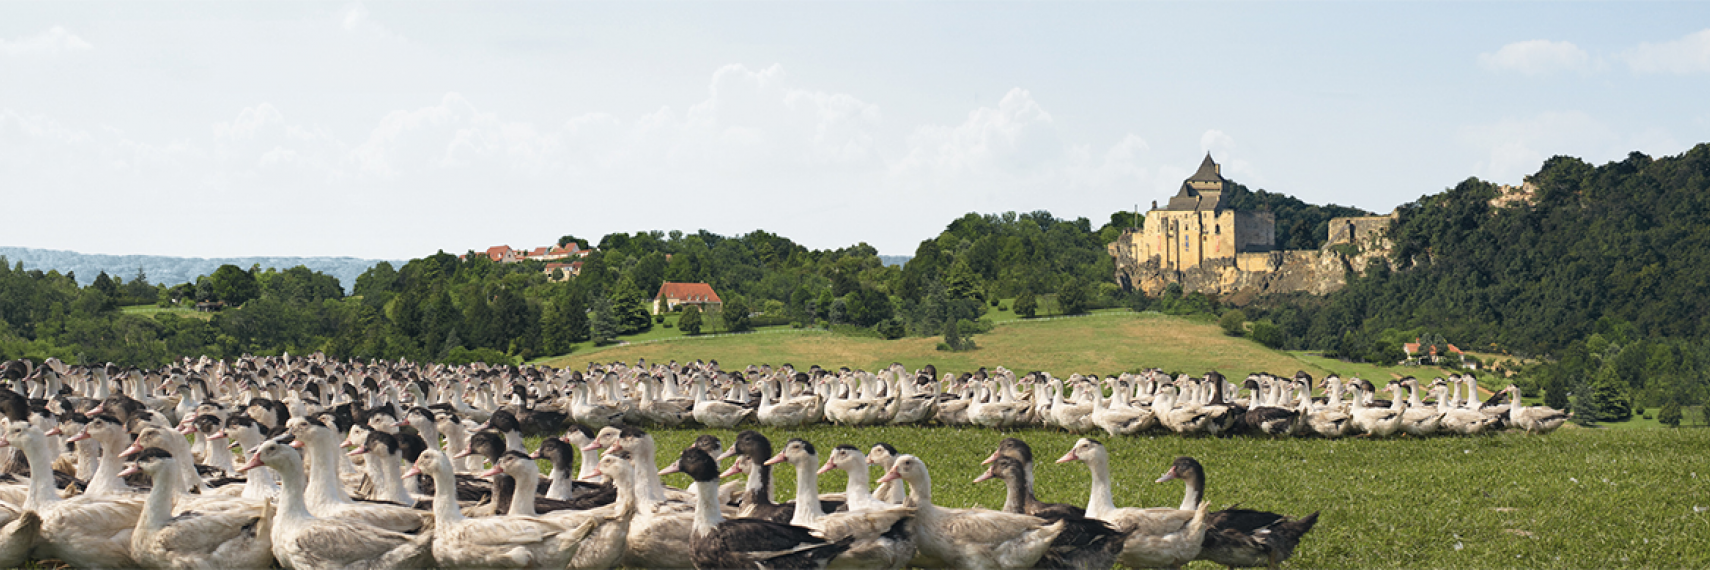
1217, 229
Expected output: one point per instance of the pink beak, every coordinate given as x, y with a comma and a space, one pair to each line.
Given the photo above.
186, 429
297, 444
891, 475
776, 459
989, 460
4, 443
669, 469
592, 446
1070, 456
130, 471
491, 472
535, 455
357, 451
97, 411
218, 435
53, 432
134, 449
984, 476
827, 469
463, 454
1168, 475
254, 462
732, 471
414, 471
728, 453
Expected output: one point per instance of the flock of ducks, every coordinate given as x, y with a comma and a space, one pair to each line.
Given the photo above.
385, 465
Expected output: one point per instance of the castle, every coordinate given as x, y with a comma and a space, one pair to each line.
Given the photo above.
1202, 242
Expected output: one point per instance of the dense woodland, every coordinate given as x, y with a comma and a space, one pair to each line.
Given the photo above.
1597, 276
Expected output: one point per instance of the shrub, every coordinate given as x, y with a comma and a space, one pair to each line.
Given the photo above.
1003, 307
1233, 322
1669, 415
1267, 333
1025, 305
690, 322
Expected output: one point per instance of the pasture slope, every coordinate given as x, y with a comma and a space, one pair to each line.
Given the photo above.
1577, 498
1106, 342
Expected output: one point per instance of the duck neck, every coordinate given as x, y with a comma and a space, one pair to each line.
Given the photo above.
445, 509
590, 459
808, 509
157, 509
293, 503
1099, 501
514, 441
920, 492
857, 489
324, 486
106, 480
522, 500
88, 458
561, 484
42, 491
1016, 498
707, 514
650, 489
1194, 491
388, 480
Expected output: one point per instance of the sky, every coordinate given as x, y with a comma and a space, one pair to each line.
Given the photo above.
393, 130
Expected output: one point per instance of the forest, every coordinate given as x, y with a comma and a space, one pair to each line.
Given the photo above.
1595, 279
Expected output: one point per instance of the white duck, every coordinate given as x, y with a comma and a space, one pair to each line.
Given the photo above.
300, 540
1533, 419
84, 531
208, 540
491, 542
969, 538
881, 537
716, 414
1157, 537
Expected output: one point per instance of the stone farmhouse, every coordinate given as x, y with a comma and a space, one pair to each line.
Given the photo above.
1200, 241
673, 295
549, 254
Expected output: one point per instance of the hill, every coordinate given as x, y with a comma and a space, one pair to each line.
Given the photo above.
173, 270
1106, 342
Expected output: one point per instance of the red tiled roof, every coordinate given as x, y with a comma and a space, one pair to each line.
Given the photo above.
538, 251
688, 292
498, 252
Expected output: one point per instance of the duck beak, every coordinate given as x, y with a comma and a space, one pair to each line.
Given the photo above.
728, 453
669, 469
1168, 475
254, 462
130, 470
134, 449
827, 469
776, 459
463, 454
989, 460
490, 472
218, 435
891, 475
983, 476
53, 432
414, 471
357, 451
297, 444
731, 472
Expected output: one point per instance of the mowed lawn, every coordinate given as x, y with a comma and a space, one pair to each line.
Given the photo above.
1578, 498
1103, 343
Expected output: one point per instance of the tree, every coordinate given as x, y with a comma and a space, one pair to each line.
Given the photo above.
1073, 297
735, 314
1556, 394
1267, 333
690, 322
629, 307
1669, 415
952, 336
1606, 399
233, 285
1232, 322
603, 324
1025, 305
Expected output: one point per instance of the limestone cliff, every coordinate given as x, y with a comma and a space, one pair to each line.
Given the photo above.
1353, 242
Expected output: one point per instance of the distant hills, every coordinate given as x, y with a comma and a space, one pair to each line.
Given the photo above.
896, 260
174, 270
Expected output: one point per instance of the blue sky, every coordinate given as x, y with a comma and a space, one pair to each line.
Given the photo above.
391, 130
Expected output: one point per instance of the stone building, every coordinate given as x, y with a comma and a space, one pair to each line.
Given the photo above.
1199, 225
1200, 241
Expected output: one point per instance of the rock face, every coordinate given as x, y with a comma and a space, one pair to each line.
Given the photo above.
1353, 242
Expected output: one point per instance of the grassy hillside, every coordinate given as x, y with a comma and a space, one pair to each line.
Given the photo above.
1102, 343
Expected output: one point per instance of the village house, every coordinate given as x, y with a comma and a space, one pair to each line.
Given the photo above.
1420, 353
571, 269
673, 295
504, 253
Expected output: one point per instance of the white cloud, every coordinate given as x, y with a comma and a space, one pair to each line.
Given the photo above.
1515, 148
1537, 57
1690, 54
55, 40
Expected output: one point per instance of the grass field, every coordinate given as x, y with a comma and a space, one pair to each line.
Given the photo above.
1578, 498
1106, 342
152, 310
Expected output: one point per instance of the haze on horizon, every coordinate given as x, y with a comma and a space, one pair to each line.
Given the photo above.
392, 130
